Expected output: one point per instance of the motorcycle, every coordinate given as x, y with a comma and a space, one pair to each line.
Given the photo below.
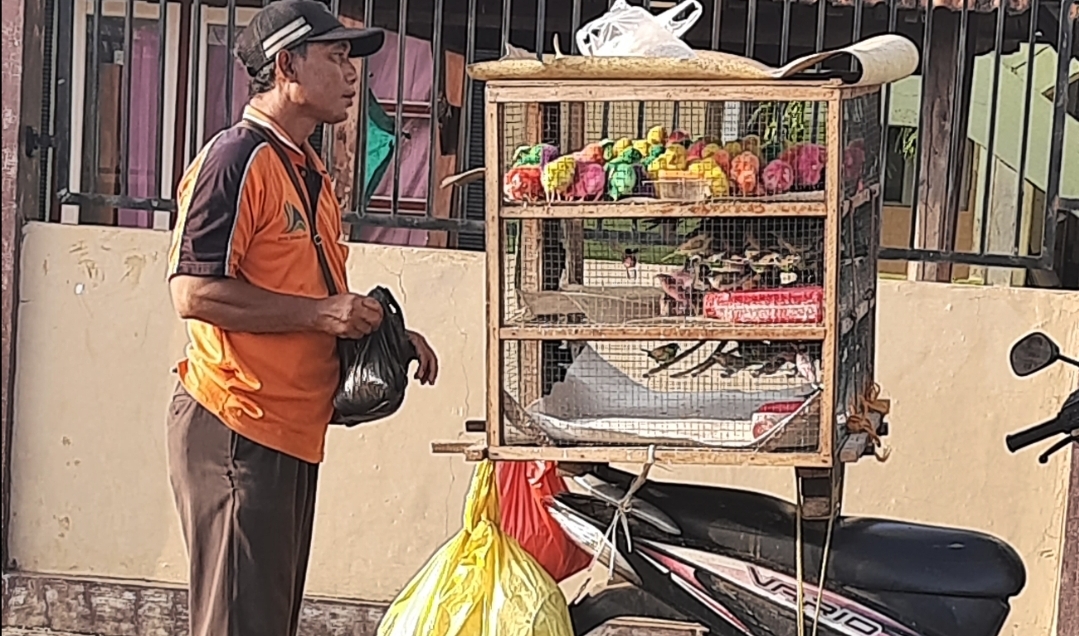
726, 558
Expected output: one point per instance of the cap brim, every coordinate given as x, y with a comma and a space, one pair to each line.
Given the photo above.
364, 41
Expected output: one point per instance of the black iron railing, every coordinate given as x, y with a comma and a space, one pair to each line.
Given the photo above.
479, 29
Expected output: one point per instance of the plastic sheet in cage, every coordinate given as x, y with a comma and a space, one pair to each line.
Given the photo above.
598, 404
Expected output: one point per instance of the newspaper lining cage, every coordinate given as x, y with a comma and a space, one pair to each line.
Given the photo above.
694, 274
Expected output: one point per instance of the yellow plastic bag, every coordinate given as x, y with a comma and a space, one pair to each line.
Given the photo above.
481, 583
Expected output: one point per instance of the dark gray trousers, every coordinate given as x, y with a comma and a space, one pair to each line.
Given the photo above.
247, 512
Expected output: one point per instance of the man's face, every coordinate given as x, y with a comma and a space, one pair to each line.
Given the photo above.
324, 81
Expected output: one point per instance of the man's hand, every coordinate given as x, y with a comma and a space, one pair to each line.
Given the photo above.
348, 315
428, 371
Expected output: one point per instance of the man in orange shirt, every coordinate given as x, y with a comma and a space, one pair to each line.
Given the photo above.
247, 423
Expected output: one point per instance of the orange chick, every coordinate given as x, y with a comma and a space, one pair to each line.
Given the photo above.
745, 170
523, 184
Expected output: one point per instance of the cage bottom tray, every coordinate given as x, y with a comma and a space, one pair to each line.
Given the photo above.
596, 404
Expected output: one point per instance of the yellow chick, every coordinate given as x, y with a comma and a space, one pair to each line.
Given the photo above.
642, 146
657, 136
557, 176
710, 150
733, 148
708, 169
751, 143
621, 145
673, 158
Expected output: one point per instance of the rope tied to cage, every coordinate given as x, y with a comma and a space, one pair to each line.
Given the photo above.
621, 517
859, 419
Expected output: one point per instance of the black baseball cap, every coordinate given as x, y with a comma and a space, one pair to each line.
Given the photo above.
285, 24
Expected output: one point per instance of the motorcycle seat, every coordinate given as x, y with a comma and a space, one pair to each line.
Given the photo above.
866, 553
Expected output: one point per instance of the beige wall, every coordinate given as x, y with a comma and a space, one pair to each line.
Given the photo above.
97, 338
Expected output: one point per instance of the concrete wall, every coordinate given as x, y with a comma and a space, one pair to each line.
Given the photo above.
97, 338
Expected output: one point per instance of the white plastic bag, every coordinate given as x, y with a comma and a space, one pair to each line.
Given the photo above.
629, 31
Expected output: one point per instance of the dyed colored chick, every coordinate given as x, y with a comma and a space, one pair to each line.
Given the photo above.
557, 177
679, 137
657, 136
777, 177
589, 183
591, 153
523, 184
710, 170
808, 161
622, 174
744, 173
538, 155
673, 158
853, 161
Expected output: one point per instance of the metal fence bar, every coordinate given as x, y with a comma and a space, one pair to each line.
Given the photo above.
194, 55
414, 222
358, 198
93, 109
399, 103
465, 131
436, 87
751, 27
162, 57
125, 97
990, 156
926, 50
230, 67
957, 136
1065, 32
61, 151
1035, 8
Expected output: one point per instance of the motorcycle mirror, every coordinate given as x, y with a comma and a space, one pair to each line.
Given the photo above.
1033, 353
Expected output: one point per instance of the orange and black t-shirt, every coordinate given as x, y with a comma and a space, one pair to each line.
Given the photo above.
240, 217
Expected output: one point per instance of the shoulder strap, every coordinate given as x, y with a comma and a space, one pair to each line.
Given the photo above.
309, 197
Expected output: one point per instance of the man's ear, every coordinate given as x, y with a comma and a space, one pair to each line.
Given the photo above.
286, 65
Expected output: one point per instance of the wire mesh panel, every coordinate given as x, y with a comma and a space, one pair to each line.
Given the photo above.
676, 152
766, 271
859, 243
744, 396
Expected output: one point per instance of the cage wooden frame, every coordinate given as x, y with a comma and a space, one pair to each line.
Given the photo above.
530, 242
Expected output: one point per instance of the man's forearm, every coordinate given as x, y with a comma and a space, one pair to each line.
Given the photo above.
234, 305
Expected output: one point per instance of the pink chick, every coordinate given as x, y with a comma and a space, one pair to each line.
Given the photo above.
777, 177
809, 165
589, 182
853, 161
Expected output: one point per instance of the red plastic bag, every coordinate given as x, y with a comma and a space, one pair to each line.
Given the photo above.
522, 488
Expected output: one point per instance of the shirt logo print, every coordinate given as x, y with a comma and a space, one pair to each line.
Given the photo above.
294, 221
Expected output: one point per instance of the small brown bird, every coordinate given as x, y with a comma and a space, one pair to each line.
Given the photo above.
700, 245
663, 353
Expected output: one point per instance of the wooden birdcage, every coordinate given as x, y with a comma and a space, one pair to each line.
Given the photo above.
685, 266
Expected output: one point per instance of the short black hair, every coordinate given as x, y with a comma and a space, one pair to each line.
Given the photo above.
264, 80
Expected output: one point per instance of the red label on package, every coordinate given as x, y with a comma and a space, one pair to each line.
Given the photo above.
800, 305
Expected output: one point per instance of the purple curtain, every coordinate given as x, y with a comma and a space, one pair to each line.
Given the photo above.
142, 124
419, 78
217, 59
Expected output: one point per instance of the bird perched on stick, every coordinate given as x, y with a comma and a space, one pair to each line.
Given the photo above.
629, 261
663, 353
696, 246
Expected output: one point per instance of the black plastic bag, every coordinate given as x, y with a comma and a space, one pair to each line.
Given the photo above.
374, 369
